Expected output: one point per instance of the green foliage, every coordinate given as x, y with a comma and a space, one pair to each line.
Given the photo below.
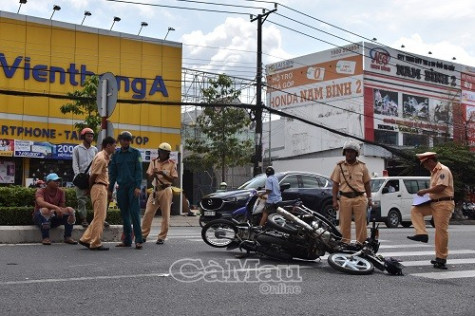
17, 204
84, 103
221, 126
458, 158
18, 196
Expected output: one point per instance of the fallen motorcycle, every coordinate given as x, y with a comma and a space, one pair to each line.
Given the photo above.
297, 232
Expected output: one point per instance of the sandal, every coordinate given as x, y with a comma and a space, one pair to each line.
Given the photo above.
46, 242
70, 241
122, 245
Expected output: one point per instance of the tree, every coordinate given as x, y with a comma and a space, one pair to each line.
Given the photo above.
220, 126
457, 157
84, 103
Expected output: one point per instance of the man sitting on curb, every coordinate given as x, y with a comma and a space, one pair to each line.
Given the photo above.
51, 211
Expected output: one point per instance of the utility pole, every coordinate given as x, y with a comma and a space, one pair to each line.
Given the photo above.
260, 18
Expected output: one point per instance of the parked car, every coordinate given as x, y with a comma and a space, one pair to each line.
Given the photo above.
393, 198
314, 190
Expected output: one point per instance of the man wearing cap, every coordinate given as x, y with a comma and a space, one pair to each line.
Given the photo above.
351, 180
441, 207
125, 168
100, 196
162, 172
51, 211
82, 158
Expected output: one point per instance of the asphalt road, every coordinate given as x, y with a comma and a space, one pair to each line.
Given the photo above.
159, 279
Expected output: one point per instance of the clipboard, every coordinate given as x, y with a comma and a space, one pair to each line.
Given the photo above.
421, 200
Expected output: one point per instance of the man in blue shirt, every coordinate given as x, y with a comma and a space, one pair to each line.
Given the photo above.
125, 168
273, 194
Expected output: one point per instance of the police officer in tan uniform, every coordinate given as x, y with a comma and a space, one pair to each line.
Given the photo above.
99, 182
441, 207
162, 172
351, 180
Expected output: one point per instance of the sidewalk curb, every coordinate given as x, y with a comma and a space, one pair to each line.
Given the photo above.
32, 234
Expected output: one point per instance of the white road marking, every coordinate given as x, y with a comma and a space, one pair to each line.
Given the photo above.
422, 253
104, 277
421, 263
446, 275
405, 246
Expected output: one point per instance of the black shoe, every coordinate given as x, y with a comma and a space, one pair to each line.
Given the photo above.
84, 223
421, 238
439, 263
101, 247
85, 244
106, 224
159, 242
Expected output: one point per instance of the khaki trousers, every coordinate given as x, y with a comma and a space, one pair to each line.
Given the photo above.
441, 213
93, 233
163, 200
357, 207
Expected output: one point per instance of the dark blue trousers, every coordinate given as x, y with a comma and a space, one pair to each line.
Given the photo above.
45, 224
130, 210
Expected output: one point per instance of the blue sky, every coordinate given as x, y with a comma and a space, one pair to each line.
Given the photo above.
226, 42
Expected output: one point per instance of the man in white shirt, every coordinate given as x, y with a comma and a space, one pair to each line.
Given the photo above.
83, 154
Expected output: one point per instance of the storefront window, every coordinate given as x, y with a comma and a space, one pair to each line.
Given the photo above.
415, 140
385, 137
40, 168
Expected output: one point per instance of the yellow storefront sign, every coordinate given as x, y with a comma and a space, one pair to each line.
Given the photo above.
51, 59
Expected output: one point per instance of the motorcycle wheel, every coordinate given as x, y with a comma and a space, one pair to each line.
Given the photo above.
345, 262
219, 233
278, 222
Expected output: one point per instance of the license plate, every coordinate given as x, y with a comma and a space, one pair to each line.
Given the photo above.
210, 213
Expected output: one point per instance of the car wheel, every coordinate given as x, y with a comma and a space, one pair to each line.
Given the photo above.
393, 219
329, 212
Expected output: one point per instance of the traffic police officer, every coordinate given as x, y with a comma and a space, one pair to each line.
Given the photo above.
162, 172
125, 168
441, 207
351, 180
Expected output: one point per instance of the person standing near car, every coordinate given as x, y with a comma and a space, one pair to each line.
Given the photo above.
162, 172
125, 168
273, 195
100, 196
351, 180
441, 207
82, 157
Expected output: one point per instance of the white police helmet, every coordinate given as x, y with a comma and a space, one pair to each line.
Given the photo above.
350, 144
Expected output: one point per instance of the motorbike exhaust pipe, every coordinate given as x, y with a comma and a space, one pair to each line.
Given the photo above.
293, 218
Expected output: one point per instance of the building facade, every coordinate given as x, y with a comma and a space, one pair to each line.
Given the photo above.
42, 60
375, 93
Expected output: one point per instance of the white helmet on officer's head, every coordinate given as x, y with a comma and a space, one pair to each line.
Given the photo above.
165, 147
351, 144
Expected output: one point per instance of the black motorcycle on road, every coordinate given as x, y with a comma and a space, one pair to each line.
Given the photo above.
297, 232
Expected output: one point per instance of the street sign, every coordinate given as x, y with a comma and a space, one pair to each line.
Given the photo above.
107, 94
109, 131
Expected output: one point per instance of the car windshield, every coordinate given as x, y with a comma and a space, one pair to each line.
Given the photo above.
376, 184
256, 182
